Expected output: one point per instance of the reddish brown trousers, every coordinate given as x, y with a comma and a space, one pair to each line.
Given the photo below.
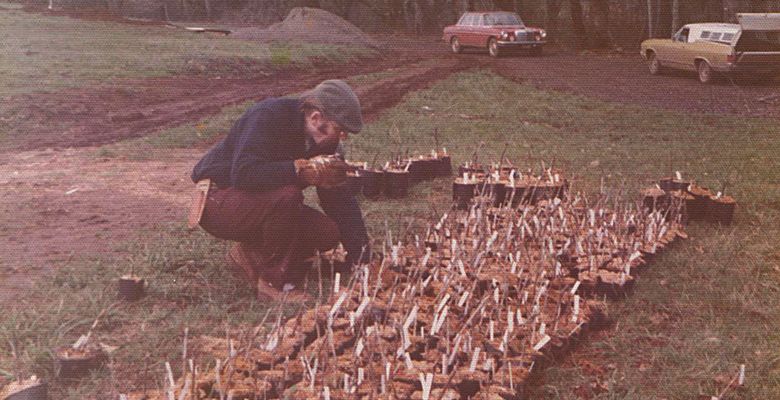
275, 226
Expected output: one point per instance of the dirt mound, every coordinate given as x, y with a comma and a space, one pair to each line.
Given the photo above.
304, 24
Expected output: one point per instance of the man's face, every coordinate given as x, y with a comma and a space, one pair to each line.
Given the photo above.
324, 132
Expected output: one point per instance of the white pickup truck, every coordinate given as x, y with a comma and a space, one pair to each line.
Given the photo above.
751, 47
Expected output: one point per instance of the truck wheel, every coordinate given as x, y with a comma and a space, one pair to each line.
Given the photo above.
654, 65
705, 72
493, 47
455, 44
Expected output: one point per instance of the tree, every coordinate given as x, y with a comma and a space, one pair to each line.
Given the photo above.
575, 9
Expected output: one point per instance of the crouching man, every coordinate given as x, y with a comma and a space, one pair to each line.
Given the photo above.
253, 181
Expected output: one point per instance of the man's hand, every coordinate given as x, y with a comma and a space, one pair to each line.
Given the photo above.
321, 171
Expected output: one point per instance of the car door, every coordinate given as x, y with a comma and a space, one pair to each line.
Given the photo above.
474, 30
680, 49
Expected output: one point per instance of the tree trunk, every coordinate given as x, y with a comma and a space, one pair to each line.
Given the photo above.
575, 8
650, 18
600, 35
207, 6
552, 9
675, 16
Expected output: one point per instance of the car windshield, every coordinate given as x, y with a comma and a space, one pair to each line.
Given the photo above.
502, 19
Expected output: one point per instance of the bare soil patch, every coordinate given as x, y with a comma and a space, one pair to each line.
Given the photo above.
623, 78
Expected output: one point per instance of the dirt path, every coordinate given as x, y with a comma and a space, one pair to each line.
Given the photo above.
65, 204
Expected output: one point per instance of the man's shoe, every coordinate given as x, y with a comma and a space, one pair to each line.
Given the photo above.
241, 265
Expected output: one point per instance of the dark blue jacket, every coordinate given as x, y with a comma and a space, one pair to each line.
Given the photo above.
258, 154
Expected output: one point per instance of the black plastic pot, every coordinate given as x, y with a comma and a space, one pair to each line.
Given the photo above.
74, 365
496, 191
396, 184
36, 392
371, 182
422, 169
720, 210
697, 209
516, 194
444, 166
131, 288
354, 183
655, 199
462, 193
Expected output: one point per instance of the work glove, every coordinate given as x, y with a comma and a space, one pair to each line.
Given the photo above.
321, 171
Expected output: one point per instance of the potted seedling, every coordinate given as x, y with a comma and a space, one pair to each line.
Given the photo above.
131, 287
396, 180
28, 389
720, 209
81, 357
674, 183
697, 209
464, 189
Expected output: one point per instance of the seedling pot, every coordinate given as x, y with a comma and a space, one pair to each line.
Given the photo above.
720, 210
422, 169
131, 288
497, 191
354, 182
396, 184
372, 182
74, 364
444, 166
515, 194
38, 391
462, 193
697, 208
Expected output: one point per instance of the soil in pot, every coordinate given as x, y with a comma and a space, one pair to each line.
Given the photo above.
131, 288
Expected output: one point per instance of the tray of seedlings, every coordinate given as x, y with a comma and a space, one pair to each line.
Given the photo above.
506, 184
697, 203
470, 309
396, 176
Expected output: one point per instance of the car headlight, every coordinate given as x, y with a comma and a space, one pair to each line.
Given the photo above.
504, 35
543, 34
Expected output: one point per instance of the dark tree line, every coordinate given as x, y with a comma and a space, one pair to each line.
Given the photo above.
583, 23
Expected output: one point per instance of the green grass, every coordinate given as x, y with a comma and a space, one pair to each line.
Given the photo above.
702, 309
47, 53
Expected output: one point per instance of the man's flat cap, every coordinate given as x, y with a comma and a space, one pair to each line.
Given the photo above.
339, 103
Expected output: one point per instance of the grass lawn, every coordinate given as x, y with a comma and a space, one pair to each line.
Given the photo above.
47, 53
700, 311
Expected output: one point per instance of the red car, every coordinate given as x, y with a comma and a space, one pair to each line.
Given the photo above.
496, 31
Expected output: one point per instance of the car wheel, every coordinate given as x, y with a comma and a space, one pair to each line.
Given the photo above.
455, 44
654, 65
493, 47
706, 74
